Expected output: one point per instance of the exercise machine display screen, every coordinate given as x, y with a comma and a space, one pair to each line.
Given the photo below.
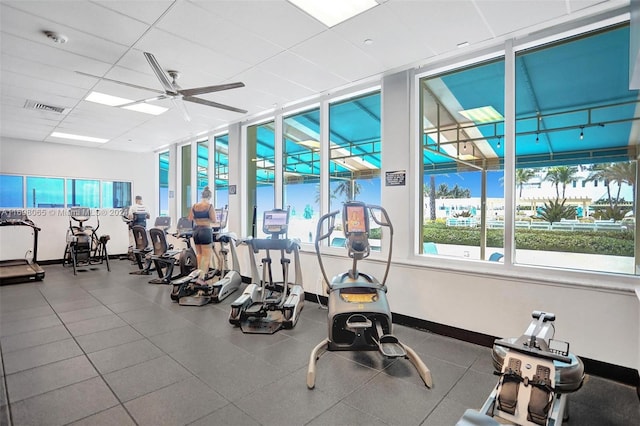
275, 221
356, 220
221, 218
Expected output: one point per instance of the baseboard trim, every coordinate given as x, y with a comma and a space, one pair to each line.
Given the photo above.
626, 375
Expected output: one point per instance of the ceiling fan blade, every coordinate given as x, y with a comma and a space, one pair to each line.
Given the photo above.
209, 89
213, 104
183, 109
164, 80
155, 98
119, 82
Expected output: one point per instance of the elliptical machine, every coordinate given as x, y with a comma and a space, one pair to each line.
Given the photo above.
266, 306
219, 282
537, 374
165, 258
359, 317
84, 247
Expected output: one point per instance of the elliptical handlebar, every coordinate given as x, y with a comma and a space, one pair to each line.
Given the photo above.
386, 223
320, 236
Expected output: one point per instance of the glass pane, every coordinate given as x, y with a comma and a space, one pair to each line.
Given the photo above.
163, 195
222, 170
11, 191
45, 192
462, 162
185, 180
203, 165
301, 163
83, 193
261, 164
576, 131
354, 167
116, 194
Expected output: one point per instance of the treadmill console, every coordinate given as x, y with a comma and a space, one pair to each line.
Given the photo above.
275, 222
221, 219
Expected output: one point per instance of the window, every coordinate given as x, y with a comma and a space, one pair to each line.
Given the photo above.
202, 173
221, 170
43, 192
576, 120
354, 146
83, 193
185, 180
462, 149
163, 187
116, 194
261, 170
301, 173
11, 191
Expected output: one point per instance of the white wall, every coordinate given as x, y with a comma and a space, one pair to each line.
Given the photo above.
24, 157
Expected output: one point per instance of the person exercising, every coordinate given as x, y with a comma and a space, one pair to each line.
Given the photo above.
204, 216
138, 213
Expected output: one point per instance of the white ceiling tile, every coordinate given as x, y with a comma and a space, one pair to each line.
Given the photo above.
147, 11
507, 17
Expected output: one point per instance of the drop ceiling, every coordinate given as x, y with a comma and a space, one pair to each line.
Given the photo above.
280, 53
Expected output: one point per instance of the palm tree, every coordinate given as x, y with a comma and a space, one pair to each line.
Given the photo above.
620, 173
523, 176
348, 188
561, 175
602, 172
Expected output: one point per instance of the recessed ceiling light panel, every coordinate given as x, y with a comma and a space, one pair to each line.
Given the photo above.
332, 12
78, 137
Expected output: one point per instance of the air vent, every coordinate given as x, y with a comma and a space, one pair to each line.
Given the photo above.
43, 107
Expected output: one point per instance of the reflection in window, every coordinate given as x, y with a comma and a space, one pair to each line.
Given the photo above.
575, 122
261, 169
354, 138
221, 171
11, 191
462, 150
163, 187
45, 192
202, 173
83, 193
185, 180
301, 173
116, 194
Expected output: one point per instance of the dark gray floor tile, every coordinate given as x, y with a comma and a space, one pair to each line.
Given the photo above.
451, 350
342, 414
28, 339
152, 328
153, 313
229, 415
9, 328
267, 404
129, 305
140, 379
108, 338
448, 412
40, 355
473, 388
84, 314
125, 355
237, 378
192, 338
64, 405
36, 381
116, 416
94, 325
598, 392
336, 375
87, 301
410, 403
181, 403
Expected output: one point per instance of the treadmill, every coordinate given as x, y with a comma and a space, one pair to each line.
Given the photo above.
20, 270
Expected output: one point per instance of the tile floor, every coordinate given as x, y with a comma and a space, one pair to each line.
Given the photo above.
106, 348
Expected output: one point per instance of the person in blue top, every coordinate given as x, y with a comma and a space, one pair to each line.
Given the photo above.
204, 216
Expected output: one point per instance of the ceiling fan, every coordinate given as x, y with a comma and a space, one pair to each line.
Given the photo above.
174, 92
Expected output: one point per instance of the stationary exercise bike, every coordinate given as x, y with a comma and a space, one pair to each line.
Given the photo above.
218, 282
165, 258
359, 317
266, 305
537, 374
